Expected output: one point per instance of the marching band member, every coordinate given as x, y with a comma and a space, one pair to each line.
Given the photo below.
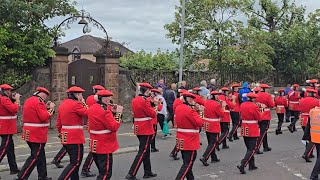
70, 125
251, 116
36, 115
188, 137
234, 113
293, 97
213, 112
143, 129
281, 102
9, 106
104, 124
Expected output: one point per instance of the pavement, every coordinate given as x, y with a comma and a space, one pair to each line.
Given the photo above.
283, 162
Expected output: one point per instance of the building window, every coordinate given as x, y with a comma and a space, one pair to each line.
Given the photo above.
76, 54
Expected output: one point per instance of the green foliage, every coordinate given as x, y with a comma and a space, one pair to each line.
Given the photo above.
147, 61
25, 41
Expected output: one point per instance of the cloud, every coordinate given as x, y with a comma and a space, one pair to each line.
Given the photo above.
137, 22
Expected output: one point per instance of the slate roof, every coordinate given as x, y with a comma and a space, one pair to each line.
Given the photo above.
88, 44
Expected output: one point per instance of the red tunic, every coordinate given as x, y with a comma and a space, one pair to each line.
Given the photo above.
90, 100
235, 102
143, 114
176, 103
306, 104
265, 99
188, 125
70, 121
281, 102
8, 116
103, 130
155, 120
35, 120
317, 95
293, 97
230, 105
213, 113
250, 115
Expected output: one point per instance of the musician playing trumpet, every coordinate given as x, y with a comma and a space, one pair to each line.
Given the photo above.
235, 112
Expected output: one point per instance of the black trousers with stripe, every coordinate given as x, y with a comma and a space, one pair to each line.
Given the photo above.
60, 155
251, 143
37, 158
235, 117
224, 133
188, 158
153, 141
142, 156
211, 148
104, 164
7, 148
75, 152
263, 139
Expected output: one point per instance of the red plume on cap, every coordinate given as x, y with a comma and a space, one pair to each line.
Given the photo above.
281, 90
235, 85
75, 89
215, 92
104, 93
312, 81
295, 85
256, 89
252, 95
147, 85
98, 87
155, 91
187, 94
44, 90
225, 89
6, 87
264, 86
196, 89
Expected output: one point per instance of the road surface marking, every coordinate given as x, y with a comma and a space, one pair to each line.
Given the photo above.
296, 173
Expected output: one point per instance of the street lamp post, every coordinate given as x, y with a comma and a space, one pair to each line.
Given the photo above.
182, 41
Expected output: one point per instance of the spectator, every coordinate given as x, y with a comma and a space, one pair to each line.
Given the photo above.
170, 96
287, 89
204, 91
161, 84
212, 86
183, 85
243, 92
163, 113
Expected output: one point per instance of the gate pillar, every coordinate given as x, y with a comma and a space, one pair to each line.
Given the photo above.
109, 68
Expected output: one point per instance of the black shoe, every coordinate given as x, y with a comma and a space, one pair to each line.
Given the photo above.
266, 149
236, 138
218, 148
230, 139
277, 131
130, 177
252, 168
306, 158
280, 132
241, 168
311, 156
287, 120
58, 165
215, 160
314, 178
155, 150
204, 161
225, 147
290, 129
87, 174
149, 175
46, 178
14, 172
259, 152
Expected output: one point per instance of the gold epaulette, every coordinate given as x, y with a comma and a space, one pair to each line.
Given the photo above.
40, 99
117, 117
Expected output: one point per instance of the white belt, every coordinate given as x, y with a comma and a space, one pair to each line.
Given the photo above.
250, 121
267, 109
72, 127
306, 114
143, 119
294, 102
212, 119
36, 124
226, 111
100, 132
8, 117
188, 130
280, 106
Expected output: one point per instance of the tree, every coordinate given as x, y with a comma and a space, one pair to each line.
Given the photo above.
25, 41
165, 61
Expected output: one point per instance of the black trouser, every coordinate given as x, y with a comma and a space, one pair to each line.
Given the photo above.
251, 143
153, 141
160, 118
87, 164
188, 158
280, 120
294, 118
7, 148
264, 126
37, 158
60, 155
212, 142
75, 152
309, 149
170, 114
224, 133
235, 117
142, 156
316, 168
104, 163
287, 113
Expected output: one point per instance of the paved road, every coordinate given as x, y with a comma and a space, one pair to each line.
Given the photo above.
283, 162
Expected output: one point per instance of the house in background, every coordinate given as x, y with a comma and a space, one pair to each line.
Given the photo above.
85, 46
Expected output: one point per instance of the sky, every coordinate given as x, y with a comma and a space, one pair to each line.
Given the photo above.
138, 23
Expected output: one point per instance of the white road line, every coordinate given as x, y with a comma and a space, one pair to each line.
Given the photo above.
296, 173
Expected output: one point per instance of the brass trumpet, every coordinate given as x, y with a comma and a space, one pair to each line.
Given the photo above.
84, 104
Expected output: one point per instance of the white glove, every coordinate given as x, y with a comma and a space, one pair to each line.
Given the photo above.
307, 81
304, 89
244, 95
